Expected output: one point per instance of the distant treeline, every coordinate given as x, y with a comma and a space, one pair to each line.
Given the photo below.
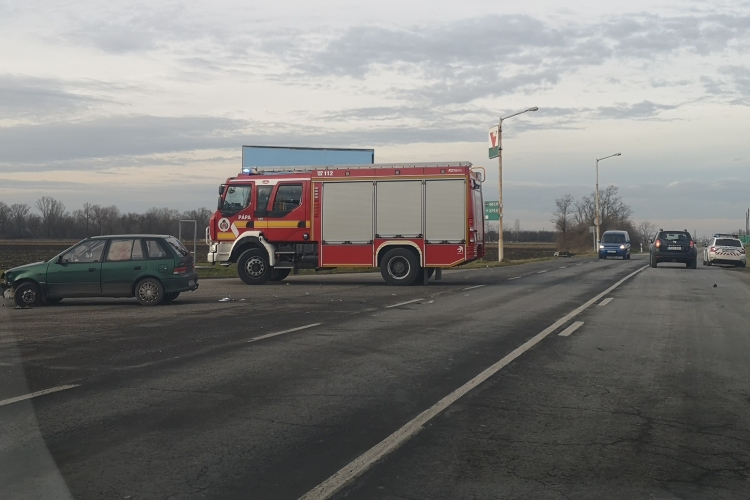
49, 219
573, 218
521, 236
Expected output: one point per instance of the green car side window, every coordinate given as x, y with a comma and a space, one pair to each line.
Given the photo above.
85, 252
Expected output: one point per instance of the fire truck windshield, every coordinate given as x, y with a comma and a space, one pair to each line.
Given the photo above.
237, 199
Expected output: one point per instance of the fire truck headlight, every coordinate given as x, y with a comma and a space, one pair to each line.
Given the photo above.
305, 236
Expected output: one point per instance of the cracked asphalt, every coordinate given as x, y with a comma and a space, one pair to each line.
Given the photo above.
649, 398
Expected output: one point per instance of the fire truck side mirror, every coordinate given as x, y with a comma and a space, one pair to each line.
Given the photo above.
221, 189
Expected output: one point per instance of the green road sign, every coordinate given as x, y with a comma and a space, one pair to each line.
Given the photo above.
491, 210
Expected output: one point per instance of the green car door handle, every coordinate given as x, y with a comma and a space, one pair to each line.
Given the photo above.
92, 269
137, 268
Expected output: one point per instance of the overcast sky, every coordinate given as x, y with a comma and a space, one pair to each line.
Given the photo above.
145, 104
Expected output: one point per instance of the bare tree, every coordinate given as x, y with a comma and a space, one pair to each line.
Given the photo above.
52, 212
561, 215
646, 230
4, 219
18, 215
517, 229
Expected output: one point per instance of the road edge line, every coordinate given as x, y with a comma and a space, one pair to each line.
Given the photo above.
364, 462
38, 393
269, 335
403, 303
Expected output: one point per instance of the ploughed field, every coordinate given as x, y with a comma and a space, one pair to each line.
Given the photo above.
17, 252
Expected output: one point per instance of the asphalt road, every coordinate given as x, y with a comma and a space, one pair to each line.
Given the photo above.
343, 387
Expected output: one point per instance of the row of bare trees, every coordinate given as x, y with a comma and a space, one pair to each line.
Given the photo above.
50, 219
572, 219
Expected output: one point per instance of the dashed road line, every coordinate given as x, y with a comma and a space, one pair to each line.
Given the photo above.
38, 393
509, 279
473, 287
575, 326
269, 335
364, 462
542, 272
403, 303
605, 301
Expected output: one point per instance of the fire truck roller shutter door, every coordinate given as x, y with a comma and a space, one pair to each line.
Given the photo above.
445, 208
399, 209
347, 212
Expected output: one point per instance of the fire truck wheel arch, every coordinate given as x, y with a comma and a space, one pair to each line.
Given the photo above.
388, 245
247, 241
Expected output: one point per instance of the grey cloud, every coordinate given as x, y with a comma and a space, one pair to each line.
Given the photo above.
463, 42
30, 97
641, 110
740, 78
464, 60
114, 136
133, 31
55, 145
645, 36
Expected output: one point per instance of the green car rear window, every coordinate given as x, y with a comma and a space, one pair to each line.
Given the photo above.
155, 250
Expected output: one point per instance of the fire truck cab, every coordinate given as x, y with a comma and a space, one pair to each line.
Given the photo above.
406, 219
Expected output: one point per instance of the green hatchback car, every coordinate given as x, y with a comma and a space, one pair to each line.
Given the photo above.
152, 268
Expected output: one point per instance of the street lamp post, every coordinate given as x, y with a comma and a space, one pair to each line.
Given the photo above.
597, 215
500, 172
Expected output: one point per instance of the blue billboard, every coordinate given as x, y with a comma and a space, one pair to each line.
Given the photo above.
275, 156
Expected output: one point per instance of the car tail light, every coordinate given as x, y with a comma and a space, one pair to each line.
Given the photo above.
180, 270
692, 244
658, 243
712, 249
742, 250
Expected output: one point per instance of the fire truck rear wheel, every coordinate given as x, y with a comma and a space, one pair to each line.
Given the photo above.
420, 277
280, 274
253, 267
400, 267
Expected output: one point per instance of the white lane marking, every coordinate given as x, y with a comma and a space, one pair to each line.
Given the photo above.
575, 326
541, 272
579, 264
605, 301
268, 335
473, 287
403, 303
515, 278
563, 267
38, 393
361, 464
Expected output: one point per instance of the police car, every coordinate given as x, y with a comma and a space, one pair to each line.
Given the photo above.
724, 249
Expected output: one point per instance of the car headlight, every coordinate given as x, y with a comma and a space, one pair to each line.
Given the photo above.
622, 247
601, 247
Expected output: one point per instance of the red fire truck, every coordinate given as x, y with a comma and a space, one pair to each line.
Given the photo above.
407, 219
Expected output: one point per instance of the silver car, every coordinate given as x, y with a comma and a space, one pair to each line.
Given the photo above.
724, 249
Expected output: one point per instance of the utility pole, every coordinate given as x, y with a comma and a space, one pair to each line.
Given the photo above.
597, 222
500, 241
747, 222
500, 249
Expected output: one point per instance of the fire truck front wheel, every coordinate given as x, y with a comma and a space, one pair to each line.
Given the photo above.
400, 267
253, 267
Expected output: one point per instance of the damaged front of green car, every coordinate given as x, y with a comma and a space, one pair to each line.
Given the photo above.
24, 284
